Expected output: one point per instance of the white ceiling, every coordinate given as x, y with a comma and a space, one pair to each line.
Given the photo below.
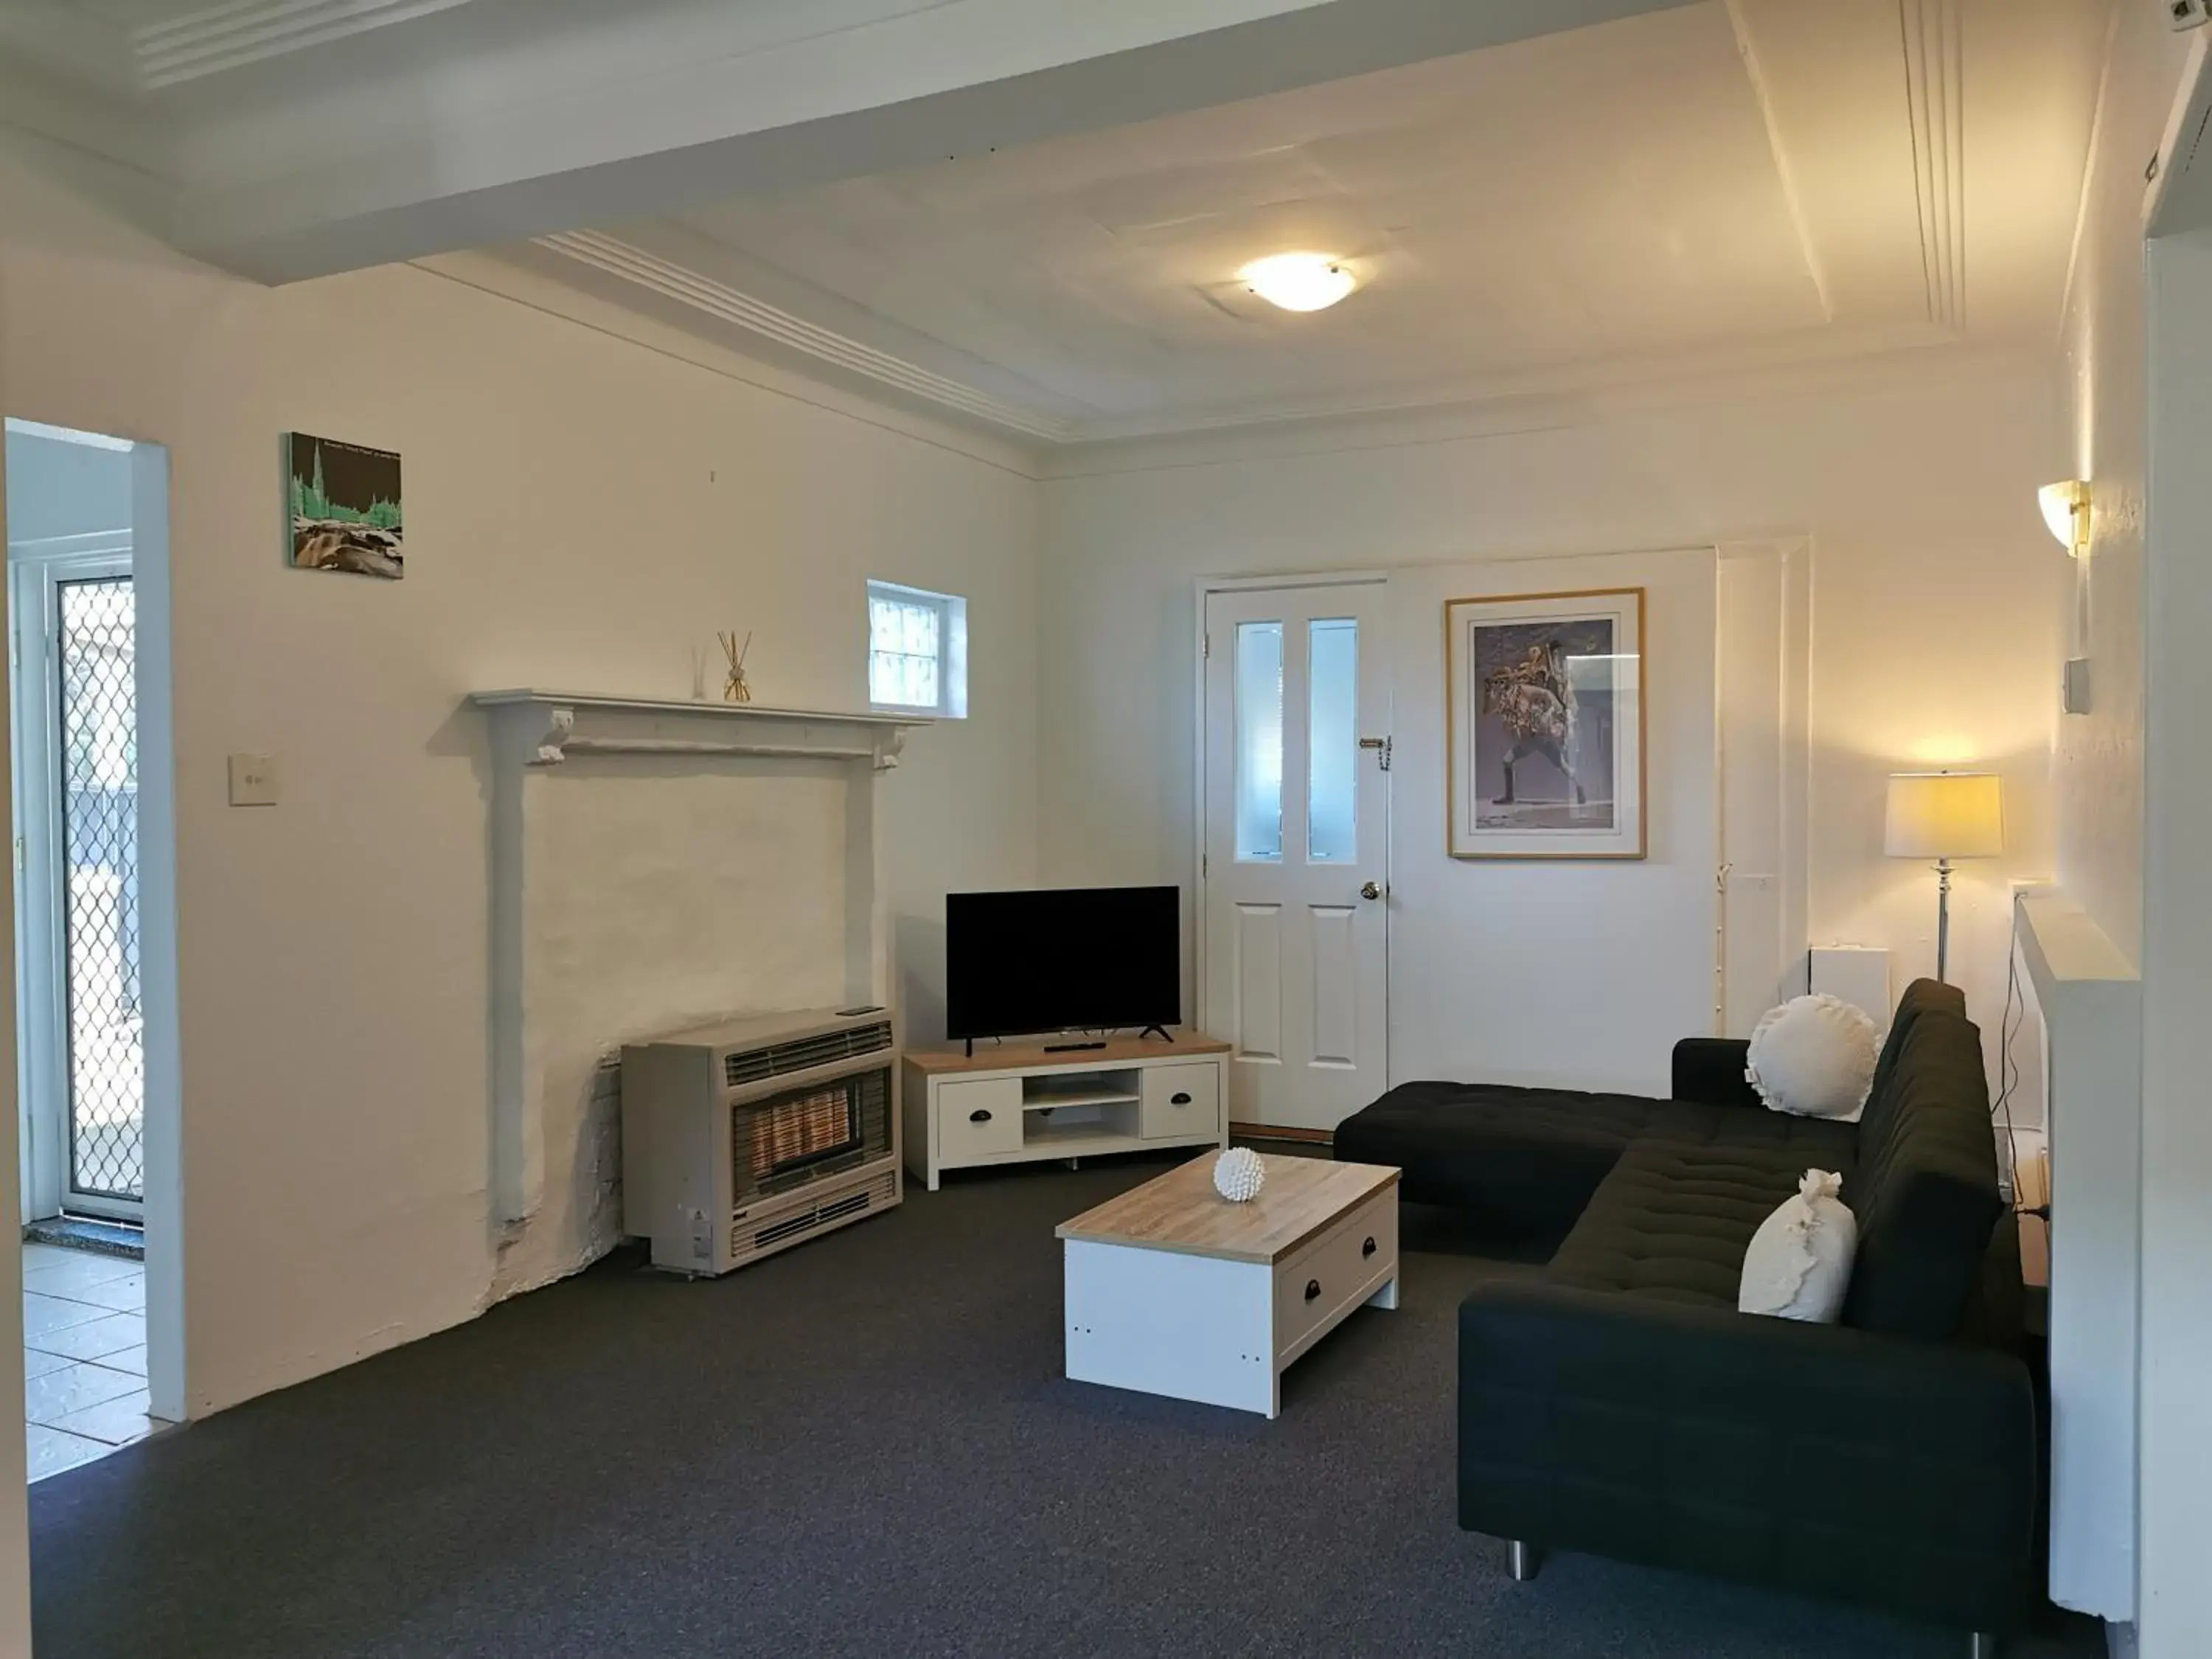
1770, 179
1573, 196
1541, 195
285, 139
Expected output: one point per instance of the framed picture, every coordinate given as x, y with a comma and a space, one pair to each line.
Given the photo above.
344, 505
1544, 726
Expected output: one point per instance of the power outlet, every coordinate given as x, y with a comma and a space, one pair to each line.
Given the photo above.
252, 780
2075, 690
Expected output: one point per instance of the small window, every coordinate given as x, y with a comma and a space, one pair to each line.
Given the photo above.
917, 650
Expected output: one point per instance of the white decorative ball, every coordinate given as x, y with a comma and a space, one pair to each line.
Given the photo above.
1239, 1175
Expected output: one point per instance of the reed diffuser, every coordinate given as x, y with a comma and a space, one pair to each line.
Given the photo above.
734, 689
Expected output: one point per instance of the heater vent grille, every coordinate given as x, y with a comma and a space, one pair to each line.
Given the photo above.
745, 1242
781, 1058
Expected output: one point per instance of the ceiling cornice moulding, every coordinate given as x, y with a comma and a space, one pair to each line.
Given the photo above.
248, 31
1939, 362
1263, 424
740, 310
1929, 33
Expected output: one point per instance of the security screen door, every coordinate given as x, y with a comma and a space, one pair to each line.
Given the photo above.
77, 724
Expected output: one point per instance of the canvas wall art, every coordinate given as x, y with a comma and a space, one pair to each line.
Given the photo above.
346, 507
1544, 719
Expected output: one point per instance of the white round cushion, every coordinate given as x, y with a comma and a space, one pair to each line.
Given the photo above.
1799, 1264
1815, 1057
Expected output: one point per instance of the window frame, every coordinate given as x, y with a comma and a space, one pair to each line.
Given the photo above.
952, 612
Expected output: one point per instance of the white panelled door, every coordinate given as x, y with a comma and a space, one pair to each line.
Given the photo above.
1295, 878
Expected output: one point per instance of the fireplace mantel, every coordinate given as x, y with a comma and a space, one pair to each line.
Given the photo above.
564, 723
622, 833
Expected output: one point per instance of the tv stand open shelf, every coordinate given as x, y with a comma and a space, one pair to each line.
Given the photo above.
1018, 1102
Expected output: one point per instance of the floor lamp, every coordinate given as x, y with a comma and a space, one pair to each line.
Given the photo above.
1944, 815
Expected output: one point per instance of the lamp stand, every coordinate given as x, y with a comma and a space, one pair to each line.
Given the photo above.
1942, 919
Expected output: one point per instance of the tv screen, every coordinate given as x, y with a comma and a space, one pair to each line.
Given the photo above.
1075, 958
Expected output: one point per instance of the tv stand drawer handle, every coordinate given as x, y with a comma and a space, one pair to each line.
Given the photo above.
1181, 1098
1367, 1248
1313, 1290
980, 1115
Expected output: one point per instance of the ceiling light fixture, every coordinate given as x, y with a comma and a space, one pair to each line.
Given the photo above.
2066, 513
1299, 282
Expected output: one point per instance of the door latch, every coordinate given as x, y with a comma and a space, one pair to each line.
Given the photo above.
1382, 748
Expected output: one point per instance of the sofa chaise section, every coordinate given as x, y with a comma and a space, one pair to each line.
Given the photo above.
1620, 1405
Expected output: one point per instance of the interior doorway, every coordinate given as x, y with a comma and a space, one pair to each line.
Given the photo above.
1294, 860
94, 942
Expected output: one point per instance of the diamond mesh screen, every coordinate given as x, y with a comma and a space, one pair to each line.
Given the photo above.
100, 838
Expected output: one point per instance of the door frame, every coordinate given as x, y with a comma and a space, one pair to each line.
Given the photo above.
1205, 587
36, 570
167, 1358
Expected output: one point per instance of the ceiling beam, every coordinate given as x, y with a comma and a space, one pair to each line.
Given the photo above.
915, 85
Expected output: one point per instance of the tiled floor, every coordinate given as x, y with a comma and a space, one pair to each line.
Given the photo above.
84, 1356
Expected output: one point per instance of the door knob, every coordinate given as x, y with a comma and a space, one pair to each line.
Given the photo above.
1369, 891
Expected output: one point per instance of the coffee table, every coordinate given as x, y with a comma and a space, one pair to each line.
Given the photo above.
1171, 1289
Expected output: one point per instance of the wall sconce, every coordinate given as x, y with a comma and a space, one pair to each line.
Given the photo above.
2066, 513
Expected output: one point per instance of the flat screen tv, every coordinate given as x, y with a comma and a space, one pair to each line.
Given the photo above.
1070, 959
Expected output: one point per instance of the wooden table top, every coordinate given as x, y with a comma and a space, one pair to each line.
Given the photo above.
1181, 1212
1027, 1052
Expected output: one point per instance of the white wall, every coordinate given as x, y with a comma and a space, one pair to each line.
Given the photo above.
2098, 770
1935, 605
2174, 1603
1543, 971
2132, 855
583, 513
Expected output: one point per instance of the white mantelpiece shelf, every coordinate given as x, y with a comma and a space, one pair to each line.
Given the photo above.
565, 723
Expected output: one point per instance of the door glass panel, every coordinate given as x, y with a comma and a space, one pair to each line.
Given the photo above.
100, 839
1259, 673
1331, 740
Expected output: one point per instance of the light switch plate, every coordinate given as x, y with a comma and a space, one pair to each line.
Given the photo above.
252, 780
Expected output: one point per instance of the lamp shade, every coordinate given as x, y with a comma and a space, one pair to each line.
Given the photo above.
1944, 815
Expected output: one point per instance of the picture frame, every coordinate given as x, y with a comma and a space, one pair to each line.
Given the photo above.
1544, 725
342, 510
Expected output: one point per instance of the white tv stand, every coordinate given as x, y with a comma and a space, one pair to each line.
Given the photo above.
1021, 1103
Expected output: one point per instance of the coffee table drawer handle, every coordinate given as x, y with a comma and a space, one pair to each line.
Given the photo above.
1179, 1100
979, 1116
1313, 1289
1367, 1248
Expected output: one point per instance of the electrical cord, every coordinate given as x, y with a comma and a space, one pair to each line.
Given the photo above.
2015, 1009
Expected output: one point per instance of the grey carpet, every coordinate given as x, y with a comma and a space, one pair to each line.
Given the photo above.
863, 1446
